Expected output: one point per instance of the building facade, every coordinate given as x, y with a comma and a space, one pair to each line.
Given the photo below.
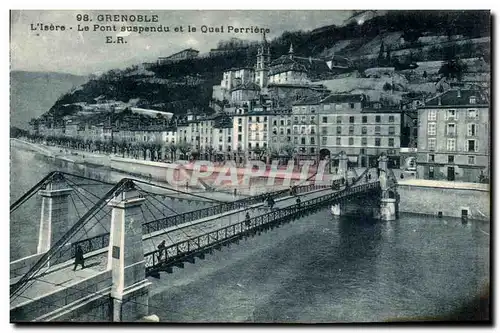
453, 138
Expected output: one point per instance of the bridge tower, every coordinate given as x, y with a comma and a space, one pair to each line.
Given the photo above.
388, 185
54, 218
336, 209
130, 288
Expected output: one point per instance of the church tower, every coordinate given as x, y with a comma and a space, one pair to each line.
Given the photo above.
263, 61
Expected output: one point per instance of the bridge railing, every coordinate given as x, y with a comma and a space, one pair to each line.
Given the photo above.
174, 220
205, 241
102, 240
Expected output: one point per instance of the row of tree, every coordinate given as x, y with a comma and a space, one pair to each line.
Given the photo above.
158, 150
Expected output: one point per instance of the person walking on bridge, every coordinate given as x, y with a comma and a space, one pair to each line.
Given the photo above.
79, 259
161, 250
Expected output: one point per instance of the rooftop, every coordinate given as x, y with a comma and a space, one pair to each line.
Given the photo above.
344, 98
458, 97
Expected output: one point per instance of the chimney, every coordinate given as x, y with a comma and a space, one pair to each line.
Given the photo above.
439, 100
459, 93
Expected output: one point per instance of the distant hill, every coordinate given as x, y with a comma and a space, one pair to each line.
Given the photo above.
411, 36
33, 93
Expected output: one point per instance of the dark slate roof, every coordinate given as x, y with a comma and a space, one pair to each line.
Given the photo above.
247, 86
453, 98
287, 63
344, 98
309, 100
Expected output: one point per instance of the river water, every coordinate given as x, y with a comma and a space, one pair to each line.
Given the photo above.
316, 269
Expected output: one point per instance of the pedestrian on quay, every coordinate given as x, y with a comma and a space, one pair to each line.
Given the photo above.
234, 192
79, 259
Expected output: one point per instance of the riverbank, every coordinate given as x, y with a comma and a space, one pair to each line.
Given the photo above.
417, 196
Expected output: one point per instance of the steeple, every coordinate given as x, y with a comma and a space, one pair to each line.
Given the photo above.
290, 52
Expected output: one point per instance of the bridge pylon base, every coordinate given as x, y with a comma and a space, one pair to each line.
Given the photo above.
132, 303
388, 209
336, 209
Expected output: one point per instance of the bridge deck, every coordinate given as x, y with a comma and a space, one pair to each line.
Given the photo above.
60, 277
194, 228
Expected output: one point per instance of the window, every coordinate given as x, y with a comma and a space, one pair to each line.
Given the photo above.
391, 142
471, 129
275, 123
229, 139
363, 130
312, 150
239, 128
351, 141
472, 114
377, 119
239, 121
430, 158
295, 140
450, 144
339, 129
451, 158
282, 131
364, 141
339, 119
324, 130
282, 122
471, 145
313, 142
391, 119
431, 115
295, 119
471, 159
239, 137
289, 138
451, 115
472, 100
391, 130
325, 120
313, 131
351, 120
351, 130
377, 129
323, 141
288, 131
302, 141
364, 119
265, 119
377, 142
431, 128
337, 141
450, 129
250, 145
351, 105
431, 143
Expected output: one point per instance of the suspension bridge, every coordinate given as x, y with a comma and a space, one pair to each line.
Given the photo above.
129, 231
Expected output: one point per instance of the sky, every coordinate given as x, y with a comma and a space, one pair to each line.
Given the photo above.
86, 52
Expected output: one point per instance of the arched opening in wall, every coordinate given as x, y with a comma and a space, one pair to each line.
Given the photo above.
324, 153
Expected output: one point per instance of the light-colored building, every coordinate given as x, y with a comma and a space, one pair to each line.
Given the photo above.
453, 138
362, 129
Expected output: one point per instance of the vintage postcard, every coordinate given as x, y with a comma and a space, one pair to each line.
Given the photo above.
250, 166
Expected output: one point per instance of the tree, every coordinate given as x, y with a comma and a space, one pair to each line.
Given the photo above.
184, 148
453, 69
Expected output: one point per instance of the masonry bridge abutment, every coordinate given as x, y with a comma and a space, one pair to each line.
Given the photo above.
385, 207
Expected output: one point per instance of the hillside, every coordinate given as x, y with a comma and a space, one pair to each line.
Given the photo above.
403, 37
33, 93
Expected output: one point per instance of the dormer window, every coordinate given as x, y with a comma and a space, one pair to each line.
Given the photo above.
472, 100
